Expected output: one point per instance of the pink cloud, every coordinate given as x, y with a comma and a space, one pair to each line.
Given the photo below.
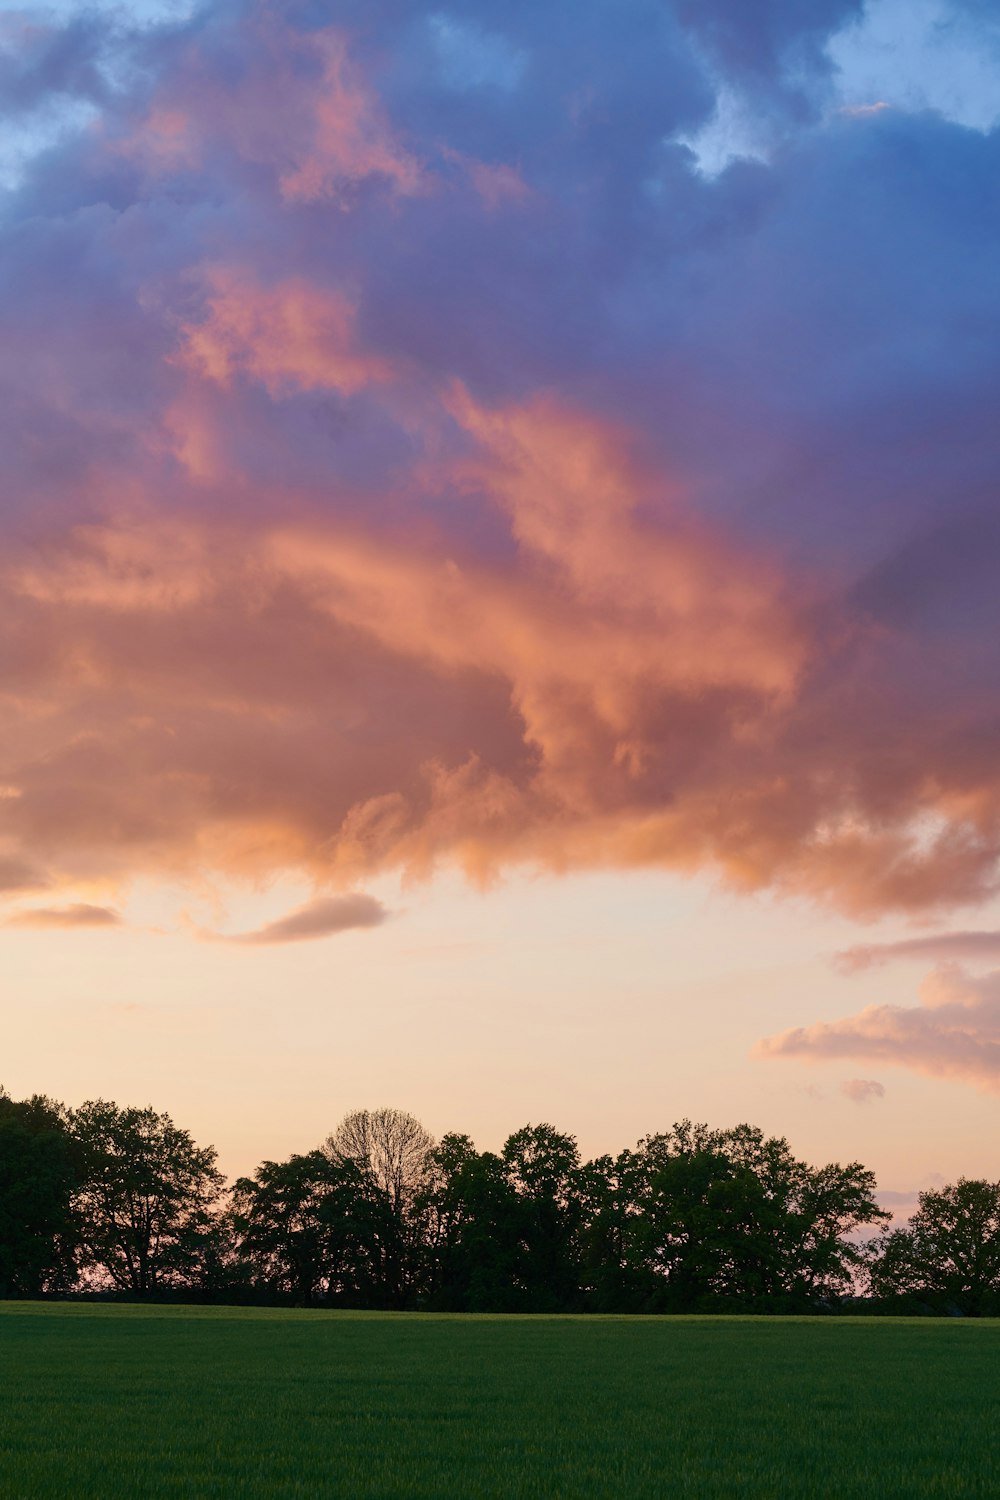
319, 919
938, 946
498, 184
350, 139
611, 692
77, 915
298, 106
18, 874
862, 1090
292, 336
953, 1033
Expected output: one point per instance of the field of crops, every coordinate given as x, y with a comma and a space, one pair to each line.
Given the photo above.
125, 1401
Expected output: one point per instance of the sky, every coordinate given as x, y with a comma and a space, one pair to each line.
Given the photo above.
499, 543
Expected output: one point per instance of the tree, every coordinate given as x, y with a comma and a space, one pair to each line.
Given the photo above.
395, 1150
39, 1174
949, 1251
147, 1202
542, 1166
702, 1218
501, 1229
316, 1228
391, 1145
613, 1273
474, 1239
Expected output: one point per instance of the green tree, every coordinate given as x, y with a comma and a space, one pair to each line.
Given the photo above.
39, 1175
948, 1253
147, 1206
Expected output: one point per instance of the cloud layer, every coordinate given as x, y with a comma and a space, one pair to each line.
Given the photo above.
410, 457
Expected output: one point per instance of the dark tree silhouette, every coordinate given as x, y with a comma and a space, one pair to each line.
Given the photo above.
315, 1228
692, 1218
543, 1168
391, 1145
699, 1218
39, 1174
148, 1199
949, 1253
475, 1242
733, 1217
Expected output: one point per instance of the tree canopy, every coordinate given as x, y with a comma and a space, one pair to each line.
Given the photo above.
39, 1174
146, 1204
949, 1252
317, 1229
691, 1219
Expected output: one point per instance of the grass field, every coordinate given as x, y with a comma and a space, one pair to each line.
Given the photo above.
201, 1402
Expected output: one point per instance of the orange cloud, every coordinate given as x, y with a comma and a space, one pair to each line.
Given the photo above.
350, 139
285, 684
290, 336
311, 694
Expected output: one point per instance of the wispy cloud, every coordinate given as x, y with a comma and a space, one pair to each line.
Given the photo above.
319, 919
862, 1090
935, 948
77, 915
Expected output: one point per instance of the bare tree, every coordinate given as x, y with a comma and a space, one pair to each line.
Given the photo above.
390, 1144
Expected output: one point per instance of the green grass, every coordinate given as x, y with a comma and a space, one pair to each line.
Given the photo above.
200, 1402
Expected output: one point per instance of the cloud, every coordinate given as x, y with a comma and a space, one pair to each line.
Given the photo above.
319, 919
862, 1090
19, 875
953, 1033
936, 947
291, 336
856, 111
411, 460
80, 914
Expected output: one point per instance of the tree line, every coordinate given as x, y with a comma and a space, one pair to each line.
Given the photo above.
104, 1200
